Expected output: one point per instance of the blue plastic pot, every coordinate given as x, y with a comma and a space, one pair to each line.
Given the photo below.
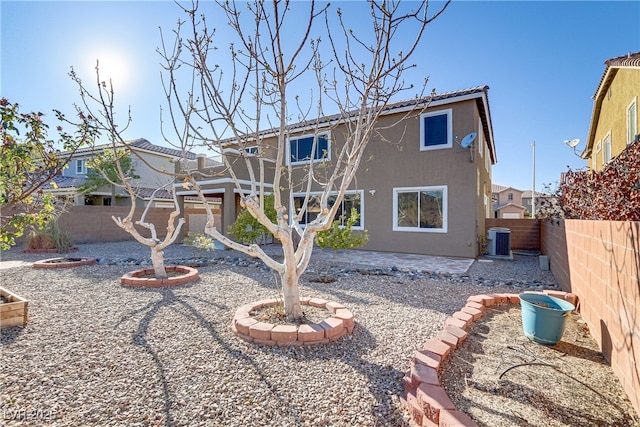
544, 317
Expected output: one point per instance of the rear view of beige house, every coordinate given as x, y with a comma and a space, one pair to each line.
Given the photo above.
424, 185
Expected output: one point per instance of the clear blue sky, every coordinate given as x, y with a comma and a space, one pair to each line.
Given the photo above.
542, 61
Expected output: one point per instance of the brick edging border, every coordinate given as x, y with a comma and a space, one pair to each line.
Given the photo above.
133, 279
340, 323
49, 263
426, 400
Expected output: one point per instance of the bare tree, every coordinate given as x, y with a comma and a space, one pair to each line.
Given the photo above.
157, 246
100, 106
252, 102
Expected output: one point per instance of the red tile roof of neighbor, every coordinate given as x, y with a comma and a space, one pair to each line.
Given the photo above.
630, 60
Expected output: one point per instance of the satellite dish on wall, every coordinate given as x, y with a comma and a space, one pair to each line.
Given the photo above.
468, 140
572, 142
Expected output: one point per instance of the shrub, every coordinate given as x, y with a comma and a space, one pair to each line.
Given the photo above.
342, 236
199, 241
247, 229
611, 194
50, 237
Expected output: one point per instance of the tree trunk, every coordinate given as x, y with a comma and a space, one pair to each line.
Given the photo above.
157, 258
291, 292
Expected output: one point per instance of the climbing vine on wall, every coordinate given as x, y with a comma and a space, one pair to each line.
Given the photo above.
611, 194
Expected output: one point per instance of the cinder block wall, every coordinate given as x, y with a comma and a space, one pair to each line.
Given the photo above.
525, 233
600, 262
92, 224
196, 219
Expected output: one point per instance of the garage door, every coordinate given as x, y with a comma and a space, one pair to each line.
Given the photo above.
511, 215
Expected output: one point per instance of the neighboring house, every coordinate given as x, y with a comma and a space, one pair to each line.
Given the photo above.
420, 192
147, 157
507, 202
545, 199
614, 121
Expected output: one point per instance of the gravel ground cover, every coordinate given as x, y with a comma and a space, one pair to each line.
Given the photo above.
502, 379
97, 353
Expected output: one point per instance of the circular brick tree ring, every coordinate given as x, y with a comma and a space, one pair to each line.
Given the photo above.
137, 278
340, 323
64, 262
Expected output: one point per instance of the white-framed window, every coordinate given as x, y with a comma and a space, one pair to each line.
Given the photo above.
606, 149
81, 166
509, 196
254, 151
351, 200
421, 209
436, 130
301, 148
598, 147
632, 121
487, 162
487, 207
480, 140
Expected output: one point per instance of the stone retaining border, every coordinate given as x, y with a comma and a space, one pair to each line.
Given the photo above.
331, 329
57, 263
133, 278
425, 399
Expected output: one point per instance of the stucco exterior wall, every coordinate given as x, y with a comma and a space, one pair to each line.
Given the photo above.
393, 160
400, 163
149, 178
624, 89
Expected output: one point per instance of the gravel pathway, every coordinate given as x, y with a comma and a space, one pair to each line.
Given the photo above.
98, 354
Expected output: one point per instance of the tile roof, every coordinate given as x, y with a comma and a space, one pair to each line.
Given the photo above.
141, 144
65, 182
73, 182
498, 206
527, 194
496, 188
399, 105
630, 60
478, 92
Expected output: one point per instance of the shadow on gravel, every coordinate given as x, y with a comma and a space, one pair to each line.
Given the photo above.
9, 335
384, 380
180, 304
172, 301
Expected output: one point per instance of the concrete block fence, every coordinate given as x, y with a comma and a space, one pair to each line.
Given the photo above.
599, 261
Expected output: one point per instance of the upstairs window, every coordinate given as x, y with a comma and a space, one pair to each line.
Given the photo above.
510, 196
436, 130
606, 149
254, 151
301, 149
81, 167
632, 121
480, 140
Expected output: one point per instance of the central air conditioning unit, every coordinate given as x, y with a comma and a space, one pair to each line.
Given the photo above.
499, 242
